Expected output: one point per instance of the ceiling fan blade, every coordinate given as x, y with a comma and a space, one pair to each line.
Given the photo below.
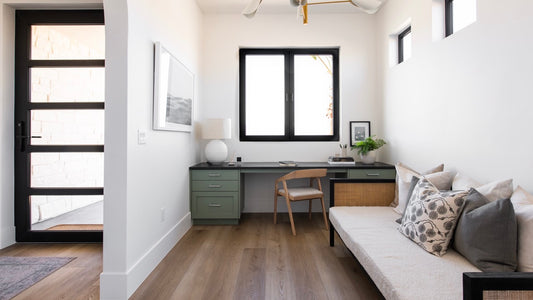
252, 7
368, 6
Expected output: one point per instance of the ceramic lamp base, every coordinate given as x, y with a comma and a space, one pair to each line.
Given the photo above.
216, 152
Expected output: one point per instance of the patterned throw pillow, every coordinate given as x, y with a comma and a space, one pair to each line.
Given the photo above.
431, 216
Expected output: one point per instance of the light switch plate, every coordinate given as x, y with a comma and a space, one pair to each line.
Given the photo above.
141, 137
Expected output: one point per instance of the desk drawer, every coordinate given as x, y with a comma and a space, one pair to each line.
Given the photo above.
372, 173
215, 186
214, 175
222, 205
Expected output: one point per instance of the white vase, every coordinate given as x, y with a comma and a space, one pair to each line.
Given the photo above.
369, 158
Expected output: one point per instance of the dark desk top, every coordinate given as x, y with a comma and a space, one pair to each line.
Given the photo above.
252, 167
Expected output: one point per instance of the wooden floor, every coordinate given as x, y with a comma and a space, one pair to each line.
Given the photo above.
79, 279
258, 260
254, 260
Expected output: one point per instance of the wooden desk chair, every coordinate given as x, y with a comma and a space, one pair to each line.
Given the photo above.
301, 193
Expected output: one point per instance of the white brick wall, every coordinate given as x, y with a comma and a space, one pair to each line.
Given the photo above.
65, 126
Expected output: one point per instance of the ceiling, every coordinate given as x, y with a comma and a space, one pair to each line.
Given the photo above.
272, 7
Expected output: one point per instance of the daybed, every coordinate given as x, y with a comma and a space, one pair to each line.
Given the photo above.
398, 266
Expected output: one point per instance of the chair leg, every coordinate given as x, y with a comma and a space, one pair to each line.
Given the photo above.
275, 206
310, 207
290, 215
324, 212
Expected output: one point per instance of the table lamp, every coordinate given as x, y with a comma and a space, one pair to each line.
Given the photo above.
215, 130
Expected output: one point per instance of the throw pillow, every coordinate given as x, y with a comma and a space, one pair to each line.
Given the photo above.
486, 233
497, 190
431, 215
442, 180
463, 182
501, 189
405, 185
523, 207
414, 182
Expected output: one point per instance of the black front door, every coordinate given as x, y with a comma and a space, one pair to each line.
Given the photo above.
59, 125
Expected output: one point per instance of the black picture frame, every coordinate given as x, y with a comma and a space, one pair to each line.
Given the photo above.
359, 130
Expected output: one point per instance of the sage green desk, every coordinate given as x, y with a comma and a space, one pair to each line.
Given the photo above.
217, 192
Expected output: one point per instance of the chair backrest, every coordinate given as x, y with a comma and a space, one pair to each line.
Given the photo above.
307, 173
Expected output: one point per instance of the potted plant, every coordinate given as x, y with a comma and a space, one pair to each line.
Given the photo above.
366, 149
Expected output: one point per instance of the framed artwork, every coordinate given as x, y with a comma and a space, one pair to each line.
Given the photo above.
173, 92
359, 130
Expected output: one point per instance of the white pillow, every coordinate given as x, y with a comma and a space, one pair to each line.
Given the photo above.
441, 180
463, 182
405, 183
502, 189
497, 190
523, 208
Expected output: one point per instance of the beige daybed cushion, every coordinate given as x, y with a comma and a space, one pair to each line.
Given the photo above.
398, 267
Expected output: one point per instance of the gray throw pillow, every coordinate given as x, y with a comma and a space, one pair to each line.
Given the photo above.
486, 233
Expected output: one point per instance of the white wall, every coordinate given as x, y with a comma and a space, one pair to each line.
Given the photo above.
7, 67
141, 180
464, 100
225, 33
7, 71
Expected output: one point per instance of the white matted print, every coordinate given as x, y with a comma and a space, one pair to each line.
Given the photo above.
359, 131
173, 92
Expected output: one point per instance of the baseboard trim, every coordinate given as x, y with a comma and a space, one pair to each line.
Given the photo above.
123, 285
147, 263
7, 237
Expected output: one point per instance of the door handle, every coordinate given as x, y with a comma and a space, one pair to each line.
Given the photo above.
29, 136
22, 135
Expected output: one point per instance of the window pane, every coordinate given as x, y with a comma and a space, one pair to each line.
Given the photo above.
265, 95
407, 43
67, 127
67, 169
67, 84
67, 212
464, 13
67, 42
313, 95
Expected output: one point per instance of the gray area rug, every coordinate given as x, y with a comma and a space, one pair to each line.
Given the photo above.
19, 273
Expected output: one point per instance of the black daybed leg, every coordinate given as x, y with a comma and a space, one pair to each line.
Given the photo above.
331, 235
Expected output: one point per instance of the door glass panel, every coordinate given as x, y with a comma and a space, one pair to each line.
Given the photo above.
67, 84
265, 95
67, 42
67, 127
67, 169
313, 95
66, 212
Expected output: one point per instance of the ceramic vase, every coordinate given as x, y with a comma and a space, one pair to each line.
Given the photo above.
368, 158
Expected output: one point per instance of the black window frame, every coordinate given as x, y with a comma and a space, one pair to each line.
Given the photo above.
401, 35
448, 17
288, 54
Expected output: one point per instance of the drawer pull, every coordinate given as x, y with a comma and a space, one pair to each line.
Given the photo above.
372, 174
213, 174
214, 186
214, 205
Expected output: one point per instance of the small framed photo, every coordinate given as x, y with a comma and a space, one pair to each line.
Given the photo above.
173, 92
359, 130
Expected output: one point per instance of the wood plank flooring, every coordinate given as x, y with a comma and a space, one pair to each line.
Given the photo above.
79, 279
254, 260
259, 260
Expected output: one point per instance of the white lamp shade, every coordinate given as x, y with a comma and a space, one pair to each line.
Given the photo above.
216, 129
